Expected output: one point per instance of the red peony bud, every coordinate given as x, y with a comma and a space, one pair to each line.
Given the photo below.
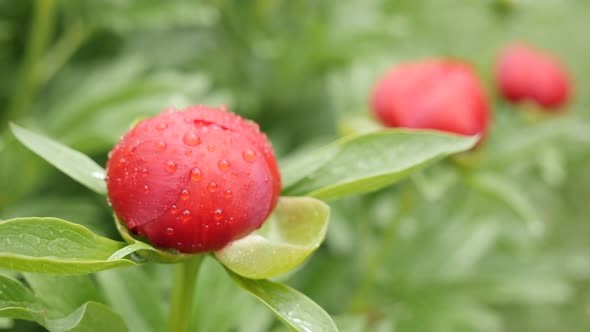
193, 180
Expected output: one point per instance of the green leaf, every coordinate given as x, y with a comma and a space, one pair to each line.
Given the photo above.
510, 194
16, 300
294, 230
246, 313
63, 294
369, 162
145, 250
295, 309
518, 144
51, 245
75, 164
133, 294
90, 317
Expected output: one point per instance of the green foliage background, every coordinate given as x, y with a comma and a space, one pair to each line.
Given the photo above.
498, 241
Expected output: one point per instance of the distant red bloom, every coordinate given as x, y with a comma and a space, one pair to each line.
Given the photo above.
438, 94
525, 73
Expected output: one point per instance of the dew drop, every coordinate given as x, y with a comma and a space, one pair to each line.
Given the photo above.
211, 148
212, 186
196, 175
218, 214
223, 165
170, 166
145, 172
184, 195
173, 209
228, 194
161, 126
188, 152
204, 130
249, 155
169, 231
122, 162
186, 215
227, 141
191, 139
160, 146
146, 189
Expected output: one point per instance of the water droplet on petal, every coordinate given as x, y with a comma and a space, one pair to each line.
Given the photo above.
191, 139
160, 146
188, 152
196, 175
169, 231
223, 165
170, 166
145, 172
146, 189
186, 215
211, 148
173, 209
212, 186
184, 194
161, 126
218, 214
228, 193
249, 155
227, 141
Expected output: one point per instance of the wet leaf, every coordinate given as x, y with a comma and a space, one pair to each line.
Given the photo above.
294, 230
75, 164
293, 308
51, 245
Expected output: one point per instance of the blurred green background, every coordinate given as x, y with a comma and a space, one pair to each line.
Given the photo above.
498, 241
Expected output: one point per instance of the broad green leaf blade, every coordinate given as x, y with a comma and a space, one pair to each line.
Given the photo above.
294, 230
90, 317
369, 162
295, 309
297, 167
145, 250
135, 295
75, 164
507, 147
16, 300
51, 245
63, 294
246, 313
505, 191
